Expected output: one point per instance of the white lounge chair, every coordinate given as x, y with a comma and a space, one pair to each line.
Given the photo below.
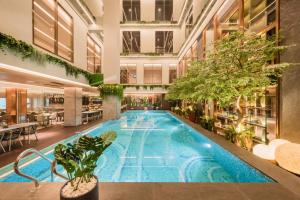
267, 152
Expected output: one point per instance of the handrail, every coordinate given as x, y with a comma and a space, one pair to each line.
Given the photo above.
26, 152
23, 154
53, 170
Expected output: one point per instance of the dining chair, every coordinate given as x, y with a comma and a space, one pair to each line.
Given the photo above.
1, 138
41, 119
52, 117
30, 130
12, 136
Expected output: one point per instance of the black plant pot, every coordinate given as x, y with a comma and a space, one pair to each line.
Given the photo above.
93, 194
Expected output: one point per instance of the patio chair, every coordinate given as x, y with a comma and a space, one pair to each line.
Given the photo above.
41, 119
31, 130
32, 117
1, 138
60, 116
53, 117
12, 136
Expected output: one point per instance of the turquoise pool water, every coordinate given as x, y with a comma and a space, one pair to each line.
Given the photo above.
155, 146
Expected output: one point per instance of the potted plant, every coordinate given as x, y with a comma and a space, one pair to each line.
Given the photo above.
191, 113
244, 137
207, 122
230, 133
80, 160
177, 110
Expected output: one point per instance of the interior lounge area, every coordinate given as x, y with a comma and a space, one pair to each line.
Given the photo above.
27, 109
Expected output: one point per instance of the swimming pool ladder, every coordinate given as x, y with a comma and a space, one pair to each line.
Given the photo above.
29, 151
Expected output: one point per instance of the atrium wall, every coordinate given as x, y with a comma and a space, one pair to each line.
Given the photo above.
290, 87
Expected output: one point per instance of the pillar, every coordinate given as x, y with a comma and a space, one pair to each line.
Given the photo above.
111, 56
111, 50
111, 108
72, 106
289, 111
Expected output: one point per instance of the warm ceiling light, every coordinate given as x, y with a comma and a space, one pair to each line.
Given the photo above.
159, 9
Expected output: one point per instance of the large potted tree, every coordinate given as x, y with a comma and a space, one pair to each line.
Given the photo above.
80, 160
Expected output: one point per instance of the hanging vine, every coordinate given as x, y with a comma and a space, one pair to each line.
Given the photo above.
27, 51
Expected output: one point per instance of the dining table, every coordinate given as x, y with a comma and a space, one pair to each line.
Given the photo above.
46, 117
94, 113
11, 128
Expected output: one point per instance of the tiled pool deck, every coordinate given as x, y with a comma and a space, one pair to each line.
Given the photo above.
287, 186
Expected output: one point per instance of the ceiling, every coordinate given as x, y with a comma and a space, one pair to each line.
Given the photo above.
18, 77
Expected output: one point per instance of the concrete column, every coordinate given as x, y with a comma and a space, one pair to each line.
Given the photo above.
111, 56
111, 50
147, 10
290, 87
111, 108
140, 73
165, 74
72, 106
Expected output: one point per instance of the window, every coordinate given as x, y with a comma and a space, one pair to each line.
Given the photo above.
189, 23
152, 73
164, 42
44, 24
131, 10
131, 42
163, 10
260, 14
201, 46
2, 103
93, 56
65, 34
128, 74
172, 73
53, 28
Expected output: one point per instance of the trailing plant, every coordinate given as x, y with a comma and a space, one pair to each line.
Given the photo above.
111, 90
27, 51
96, 79
80, 158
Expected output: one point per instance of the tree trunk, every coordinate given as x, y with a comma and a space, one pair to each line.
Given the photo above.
240, 113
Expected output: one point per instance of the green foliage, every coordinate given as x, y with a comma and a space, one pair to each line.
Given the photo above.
96, 79
207, 123
111, 90
244, 137
230, 133
239, 66
27, 51
80, 159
